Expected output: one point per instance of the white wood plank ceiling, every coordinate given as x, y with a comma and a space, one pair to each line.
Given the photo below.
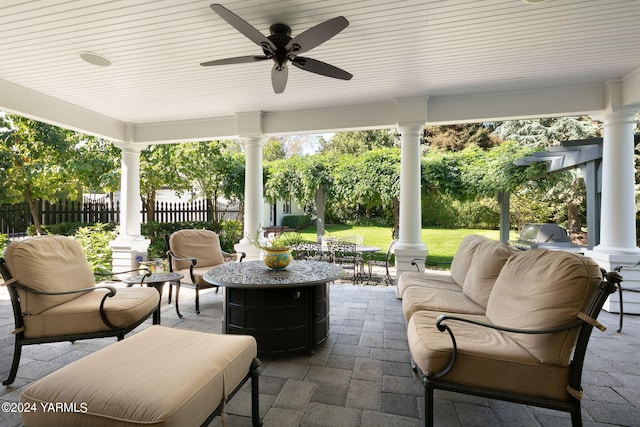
394, 48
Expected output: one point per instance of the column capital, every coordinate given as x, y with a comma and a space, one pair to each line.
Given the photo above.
129, 147
253, 140
412, 112
617, 115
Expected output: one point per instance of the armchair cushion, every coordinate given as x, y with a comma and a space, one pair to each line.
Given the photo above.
80, 315
204, 243
487, 358
488, 259
198, 274
462, 259
540, 289
49, 264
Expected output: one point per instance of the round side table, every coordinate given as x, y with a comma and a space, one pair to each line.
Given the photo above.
156, 280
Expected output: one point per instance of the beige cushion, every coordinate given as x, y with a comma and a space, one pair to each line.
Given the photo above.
488, 259
146, 379
198, 273
462, 259
439, 300
435, 279
81, 315
486, 358
51, 264
203, 245
540, 289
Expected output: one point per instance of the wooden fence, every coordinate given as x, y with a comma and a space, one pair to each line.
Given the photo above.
14, 219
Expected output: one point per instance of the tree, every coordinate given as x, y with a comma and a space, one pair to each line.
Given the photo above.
273, 150
370, 180
214, 168
357, 142
36, 163
549, 131
457, 137
158, 168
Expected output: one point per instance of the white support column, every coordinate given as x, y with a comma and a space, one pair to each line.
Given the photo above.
253, 195
130, 245
409, 243
618, 225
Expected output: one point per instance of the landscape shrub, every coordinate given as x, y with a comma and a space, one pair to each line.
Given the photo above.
296, 221
94, 240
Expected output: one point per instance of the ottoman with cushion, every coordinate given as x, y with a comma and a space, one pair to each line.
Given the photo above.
158, 377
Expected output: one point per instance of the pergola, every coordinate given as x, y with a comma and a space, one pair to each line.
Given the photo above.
414, 62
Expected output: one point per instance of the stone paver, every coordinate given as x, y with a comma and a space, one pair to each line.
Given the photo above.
361, 375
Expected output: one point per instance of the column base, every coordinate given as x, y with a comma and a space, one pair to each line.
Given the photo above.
404, 255
127, 252
253, 253
608, 261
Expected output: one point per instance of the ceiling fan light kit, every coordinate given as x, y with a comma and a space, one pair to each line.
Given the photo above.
281, 48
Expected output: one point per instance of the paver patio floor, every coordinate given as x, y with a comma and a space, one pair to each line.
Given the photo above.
361, 375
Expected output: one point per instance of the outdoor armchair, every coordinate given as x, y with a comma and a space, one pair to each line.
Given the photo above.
192, 253
55, 297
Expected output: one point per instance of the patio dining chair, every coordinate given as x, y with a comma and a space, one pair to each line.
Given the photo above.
346, 255
307, 250
55, 297
192, 253
372, 260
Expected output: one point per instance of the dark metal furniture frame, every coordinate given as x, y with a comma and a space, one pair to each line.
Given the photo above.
254, 374
193, 284
20, 340
371, 261
433, 380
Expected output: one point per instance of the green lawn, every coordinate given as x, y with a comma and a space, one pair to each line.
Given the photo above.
441, 243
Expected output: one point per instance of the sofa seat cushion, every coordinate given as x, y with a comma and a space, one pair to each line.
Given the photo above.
486, 358
540, 289
81, 315
435, 279
145, 379
439, 300
488, 259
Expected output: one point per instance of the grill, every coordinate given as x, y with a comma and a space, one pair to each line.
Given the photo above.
545, 236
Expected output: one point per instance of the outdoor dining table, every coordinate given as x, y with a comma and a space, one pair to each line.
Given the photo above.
286, 311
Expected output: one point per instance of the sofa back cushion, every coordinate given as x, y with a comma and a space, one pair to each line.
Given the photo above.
486, 264
203, 245
540, 289
49, 264
464, 254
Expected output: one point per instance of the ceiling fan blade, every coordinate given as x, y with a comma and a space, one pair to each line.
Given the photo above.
237, 60
322, 68
243, 27
316, 35
279, 76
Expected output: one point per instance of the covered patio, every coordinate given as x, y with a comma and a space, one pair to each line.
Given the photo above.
414, 63
361, 376
130, 72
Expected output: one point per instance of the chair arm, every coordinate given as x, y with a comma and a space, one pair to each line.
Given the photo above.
111, 289
194, 261
414, 262
113, 273
103, 316
442, 327
238, 255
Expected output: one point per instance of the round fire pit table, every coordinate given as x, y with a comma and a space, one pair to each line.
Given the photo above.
286, 311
